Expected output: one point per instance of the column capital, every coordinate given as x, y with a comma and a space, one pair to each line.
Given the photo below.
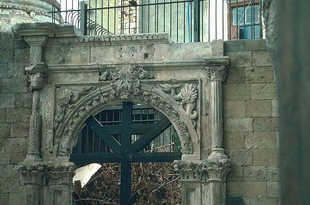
218, 73
36, 40
31, 174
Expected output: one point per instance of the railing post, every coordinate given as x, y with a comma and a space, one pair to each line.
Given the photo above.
196, 20
83, 20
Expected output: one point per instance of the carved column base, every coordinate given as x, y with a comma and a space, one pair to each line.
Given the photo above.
203, 182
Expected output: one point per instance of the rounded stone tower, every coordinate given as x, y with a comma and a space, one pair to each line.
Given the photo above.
26, 11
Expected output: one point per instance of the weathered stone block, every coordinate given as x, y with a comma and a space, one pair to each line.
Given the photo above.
17, 70
10, 185
233, 46
238, 124
18, 145
265, 124
237, 92
22, 55
255, 173
254, 140
2, 115
254, 189
9, 171
255, 45
273, 189
265, 157
23, 100
272, 173
20, 129
263, 201
240, 59
234, 140
17, 157
17, 85
275, 108
18, 114
7, 100
259, 75
3, 70
5, 130
4, 198
261, 58
236, 75
235, 174
5, 158
247, 189
17, 198
258, 108
263, 91
240, 156
234, 108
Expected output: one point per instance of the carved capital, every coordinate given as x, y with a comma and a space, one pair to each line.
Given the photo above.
60, 174
189, 171
31, 174
36, 40
36, 75
216, 169
218, 73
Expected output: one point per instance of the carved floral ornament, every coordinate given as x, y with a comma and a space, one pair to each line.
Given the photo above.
124, 83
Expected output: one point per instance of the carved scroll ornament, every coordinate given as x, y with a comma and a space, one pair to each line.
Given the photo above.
187, 96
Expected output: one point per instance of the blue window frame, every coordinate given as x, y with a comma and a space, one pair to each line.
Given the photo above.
247, 20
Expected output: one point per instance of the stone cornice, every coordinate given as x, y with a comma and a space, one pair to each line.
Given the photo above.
93, 67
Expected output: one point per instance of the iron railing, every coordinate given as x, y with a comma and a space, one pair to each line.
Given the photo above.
184, 20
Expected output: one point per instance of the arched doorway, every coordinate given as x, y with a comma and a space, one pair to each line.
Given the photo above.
127, 134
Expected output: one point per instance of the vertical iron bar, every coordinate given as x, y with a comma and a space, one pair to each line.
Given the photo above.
196, 21
215, 20
125, 183
202, 20
148, 17
114, 17
83, 24
184, 22
237, 20
108, 26
170, 19
164, 16
209, 20
223, 20
177, 22
129, 15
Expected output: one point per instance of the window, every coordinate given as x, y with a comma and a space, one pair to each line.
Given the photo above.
245, 21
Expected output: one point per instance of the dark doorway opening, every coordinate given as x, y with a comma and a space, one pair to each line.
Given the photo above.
124, 137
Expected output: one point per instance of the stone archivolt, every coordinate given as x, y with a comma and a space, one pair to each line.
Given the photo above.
120, 84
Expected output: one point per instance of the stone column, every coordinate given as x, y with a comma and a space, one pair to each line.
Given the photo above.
217, 165
35, 74
217, 73
31, 177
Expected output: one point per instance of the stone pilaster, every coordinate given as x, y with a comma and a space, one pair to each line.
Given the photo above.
203, 182
32, 177
35, 73
60, 182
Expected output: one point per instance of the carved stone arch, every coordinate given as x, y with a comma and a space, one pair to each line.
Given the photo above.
99, 98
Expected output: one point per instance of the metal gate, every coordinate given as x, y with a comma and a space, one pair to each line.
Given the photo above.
123, 135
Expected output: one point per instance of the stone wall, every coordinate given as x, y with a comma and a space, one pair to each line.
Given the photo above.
250, 123
250, 105
15, 110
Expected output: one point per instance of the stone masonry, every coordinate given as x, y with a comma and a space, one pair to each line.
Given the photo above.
250, 123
